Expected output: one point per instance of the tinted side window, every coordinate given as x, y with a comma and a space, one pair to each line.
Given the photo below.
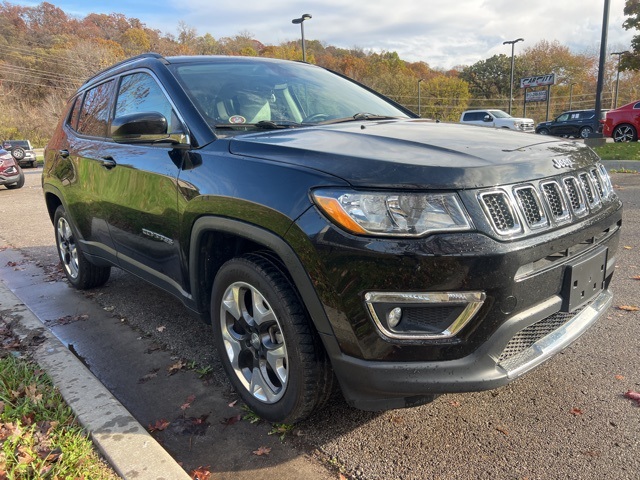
474, 116
75, 113
140, 93
94, 114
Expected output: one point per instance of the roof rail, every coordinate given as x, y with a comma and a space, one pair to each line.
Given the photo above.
124, 62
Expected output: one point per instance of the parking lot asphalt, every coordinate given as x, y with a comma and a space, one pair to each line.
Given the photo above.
568, 419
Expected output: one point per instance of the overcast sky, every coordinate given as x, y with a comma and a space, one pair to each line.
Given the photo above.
442, 33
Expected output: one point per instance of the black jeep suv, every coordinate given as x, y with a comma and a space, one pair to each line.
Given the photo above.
329, 234
575, 123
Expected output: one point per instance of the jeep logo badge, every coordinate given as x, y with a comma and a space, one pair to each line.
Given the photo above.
564, 162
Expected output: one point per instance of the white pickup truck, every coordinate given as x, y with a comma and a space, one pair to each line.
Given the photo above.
497, 119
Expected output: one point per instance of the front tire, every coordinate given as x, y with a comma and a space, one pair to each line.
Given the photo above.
543, 131
81, 273
266, 342
624, 133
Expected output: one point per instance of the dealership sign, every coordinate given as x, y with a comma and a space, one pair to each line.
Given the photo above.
538, 81
536, 96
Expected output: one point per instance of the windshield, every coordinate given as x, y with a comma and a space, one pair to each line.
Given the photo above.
499, 114
240, 93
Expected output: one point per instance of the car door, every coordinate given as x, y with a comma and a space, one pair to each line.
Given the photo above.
141, 188
73, 160
559, 126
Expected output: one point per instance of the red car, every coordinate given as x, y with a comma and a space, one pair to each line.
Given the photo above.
622, 124
11, 175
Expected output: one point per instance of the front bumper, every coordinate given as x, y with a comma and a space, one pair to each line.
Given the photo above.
372, 385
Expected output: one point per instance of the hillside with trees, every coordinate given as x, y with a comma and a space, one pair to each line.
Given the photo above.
47, 54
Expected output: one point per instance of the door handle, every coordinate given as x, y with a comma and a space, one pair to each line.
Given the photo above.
63, 153
108, 162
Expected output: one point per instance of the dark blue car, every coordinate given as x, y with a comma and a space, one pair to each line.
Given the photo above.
575, 123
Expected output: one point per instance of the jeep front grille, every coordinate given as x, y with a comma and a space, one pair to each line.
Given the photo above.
519, 209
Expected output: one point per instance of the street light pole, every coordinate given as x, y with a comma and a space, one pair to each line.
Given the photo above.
615, 102
570, 94
512, 43
305, 16
419, 110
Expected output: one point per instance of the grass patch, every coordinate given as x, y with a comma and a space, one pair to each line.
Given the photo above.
39, 436
619, 151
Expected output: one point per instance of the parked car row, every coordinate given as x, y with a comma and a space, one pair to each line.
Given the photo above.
622, 124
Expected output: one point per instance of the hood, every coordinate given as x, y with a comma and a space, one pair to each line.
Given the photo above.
416, 153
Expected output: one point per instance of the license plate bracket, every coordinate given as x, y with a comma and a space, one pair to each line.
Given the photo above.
584, 279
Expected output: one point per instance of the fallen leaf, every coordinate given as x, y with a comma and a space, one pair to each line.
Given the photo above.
619, 377
179, 365
626, 247
31, 393
159, 425
233, 404
454, 403
188, 403
635, 396
262, 451
50, 456
502, 430
231, 420
576, 411
628, 308
161, 329
342, 477
396, 419
592, 453
109, 308
152, 374
190, 426
200, 473
637, 277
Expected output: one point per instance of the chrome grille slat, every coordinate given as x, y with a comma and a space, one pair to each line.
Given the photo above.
522, 209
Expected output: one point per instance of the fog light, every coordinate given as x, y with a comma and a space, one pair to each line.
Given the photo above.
394, 317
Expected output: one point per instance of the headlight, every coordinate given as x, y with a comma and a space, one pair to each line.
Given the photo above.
401, 214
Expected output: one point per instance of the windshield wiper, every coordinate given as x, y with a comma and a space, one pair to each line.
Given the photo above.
359, 116
263, 124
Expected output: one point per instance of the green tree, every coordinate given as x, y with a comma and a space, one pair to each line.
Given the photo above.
489, 78
631, 61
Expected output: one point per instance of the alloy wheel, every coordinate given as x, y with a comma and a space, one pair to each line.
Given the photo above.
254, 342
67, 247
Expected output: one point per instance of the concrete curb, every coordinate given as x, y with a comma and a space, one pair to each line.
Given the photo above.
126, 445
633, 165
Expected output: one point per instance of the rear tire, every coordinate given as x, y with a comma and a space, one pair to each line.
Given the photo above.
266, 341
81, 273
624, 133
585, 132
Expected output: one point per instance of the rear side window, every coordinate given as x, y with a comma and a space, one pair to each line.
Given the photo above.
75, 113
474, 116
94, 115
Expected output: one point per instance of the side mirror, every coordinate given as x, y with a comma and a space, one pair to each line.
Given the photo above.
487, 118
144, 127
